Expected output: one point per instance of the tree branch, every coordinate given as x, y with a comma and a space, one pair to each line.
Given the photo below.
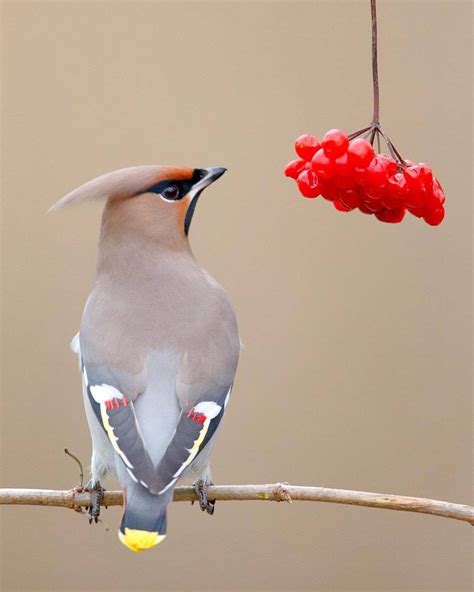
279, 492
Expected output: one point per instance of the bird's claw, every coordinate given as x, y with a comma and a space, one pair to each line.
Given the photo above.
201, 488
97, 496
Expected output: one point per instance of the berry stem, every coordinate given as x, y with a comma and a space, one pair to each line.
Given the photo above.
375, 71
360, 132
372, 134
393, 151
400, 158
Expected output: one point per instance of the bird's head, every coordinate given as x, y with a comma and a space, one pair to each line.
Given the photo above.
152, 201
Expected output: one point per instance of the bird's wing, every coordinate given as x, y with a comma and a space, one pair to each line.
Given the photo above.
196, 426
113, 405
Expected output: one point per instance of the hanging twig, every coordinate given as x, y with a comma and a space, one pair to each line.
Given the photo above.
375, 71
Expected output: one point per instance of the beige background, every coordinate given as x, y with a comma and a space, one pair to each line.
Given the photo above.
356, 370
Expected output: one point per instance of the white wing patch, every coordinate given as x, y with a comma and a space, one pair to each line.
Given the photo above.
105, 392
208, 408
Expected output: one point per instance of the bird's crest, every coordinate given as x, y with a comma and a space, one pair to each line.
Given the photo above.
121, 183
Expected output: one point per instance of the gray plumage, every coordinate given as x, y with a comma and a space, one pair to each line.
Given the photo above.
158, 343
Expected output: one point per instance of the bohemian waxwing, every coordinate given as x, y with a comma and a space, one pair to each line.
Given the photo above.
158, 346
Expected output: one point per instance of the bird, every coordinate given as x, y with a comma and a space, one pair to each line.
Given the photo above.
158, 346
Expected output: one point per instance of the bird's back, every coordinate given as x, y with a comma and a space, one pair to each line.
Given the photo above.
173, 308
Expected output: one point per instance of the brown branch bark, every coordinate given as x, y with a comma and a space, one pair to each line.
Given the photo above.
271, 492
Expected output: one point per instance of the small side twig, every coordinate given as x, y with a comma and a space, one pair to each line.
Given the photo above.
81, 469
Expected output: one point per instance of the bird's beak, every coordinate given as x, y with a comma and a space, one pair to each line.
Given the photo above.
208, 176
213, 174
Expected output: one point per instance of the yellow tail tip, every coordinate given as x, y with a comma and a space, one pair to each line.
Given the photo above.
140, 540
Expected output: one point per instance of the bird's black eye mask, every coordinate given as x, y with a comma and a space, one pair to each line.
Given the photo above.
172, 190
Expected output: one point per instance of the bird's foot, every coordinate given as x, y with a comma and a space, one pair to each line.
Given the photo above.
201, 488
97, 496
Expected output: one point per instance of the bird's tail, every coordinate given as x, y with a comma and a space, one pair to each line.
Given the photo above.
143, 523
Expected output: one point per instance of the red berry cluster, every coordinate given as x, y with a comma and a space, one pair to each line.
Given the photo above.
349, 173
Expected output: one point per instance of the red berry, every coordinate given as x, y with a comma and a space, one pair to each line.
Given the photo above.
306, 145
335, 143
329, 191
392, 216
414, 197
358, 174
390, 164
418, 212
374, 192
344, 183
395, 190
339, 205
364, 209
371, 199
308, 184
322, 165
360, 153
414, 178
434, 217
343, 174
438, 191
426, 175
342, 167
376, 173
349, 198
294, 168
434, 199
373, 205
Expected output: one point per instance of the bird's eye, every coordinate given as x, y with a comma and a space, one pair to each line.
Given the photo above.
171, 192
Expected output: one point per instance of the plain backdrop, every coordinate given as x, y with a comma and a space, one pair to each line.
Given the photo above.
356, 371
